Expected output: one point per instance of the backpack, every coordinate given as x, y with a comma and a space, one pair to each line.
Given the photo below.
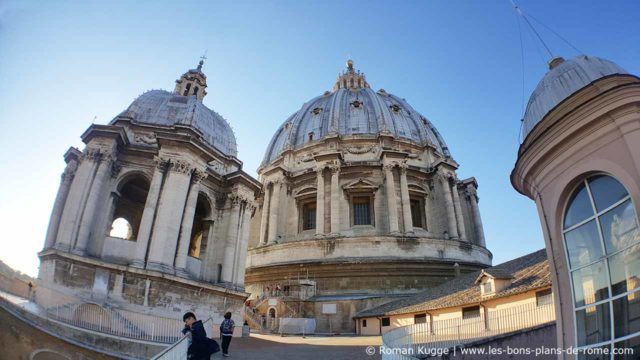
227, 326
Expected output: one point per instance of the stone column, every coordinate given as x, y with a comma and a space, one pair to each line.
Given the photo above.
149, 212
335, 200
265, 214
427, 212
58, 205
320, 202
243, 244
475, 213
448, 204
391, 198
406, 204
88, 217
166, 229
76, 199
274, 208
458, 208
187, 223
232, 239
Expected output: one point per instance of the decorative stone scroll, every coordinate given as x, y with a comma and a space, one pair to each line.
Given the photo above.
161, 164
362, 149
146, 138
180, 166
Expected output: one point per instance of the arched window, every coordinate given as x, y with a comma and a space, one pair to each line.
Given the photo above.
200, 228
195, 90
186, 89
600, 230
129, 208
121, 228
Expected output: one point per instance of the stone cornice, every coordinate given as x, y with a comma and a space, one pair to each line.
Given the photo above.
107, 131
187, 137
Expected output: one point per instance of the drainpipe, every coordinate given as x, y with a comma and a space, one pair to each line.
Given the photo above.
485, 315
430, 322
379, 325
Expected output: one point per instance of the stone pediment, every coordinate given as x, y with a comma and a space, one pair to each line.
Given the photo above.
360, 185
310, 190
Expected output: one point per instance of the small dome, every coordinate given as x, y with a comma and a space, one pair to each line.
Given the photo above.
160, 107
563, 80
347, 112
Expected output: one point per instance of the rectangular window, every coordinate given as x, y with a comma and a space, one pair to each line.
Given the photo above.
416, 212
419, 318
361, 210
488, 287
471, 312
385, 321
544, 297
364, 323
309, 216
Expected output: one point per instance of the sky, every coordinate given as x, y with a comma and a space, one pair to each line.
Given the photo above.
67, 64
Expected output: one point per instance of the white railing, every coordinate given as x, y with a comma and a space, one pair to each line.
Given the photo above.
414, 339
178, 351
118, 322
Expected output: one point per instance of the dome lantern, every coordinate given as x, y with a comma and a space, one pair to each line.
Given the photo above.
193, 82
350, 79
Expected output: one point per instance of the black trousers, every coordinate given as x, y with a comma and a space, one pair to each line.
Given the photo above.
226, 340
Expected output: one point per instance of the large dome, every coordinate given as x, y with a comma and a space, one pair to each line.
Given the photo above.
563, 80
160, 107
352, 108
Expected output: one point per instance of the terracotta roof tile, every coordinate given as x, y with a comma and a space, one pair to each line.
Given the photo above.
527, 273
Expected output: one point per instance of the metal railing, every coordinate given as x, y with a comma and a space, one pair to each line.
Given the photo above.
118, 322
254, 320
178, 350
409, 341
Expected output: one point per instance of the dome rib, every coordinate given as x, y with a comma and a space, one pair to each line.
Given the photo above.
370, 115
160, 107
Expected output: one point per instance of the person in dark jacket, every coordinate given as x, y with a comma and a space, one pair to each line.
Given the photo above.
201, 347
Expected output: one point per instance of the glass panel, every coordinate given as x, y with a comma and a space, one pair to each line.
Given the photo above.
590, 284
606, 191
593, 324
416, 213
583, 244
308, 216
631, 349
595, 353
619, 227
361, 211
544, 297
626, 314
579, 207
624, 269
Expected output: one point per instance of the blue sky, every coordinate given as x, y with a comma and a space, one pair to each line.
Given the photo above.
64, 64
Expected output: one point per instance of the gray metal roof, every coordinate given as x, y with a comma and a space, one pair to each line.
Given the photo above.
359, 111
162, 107
563, 81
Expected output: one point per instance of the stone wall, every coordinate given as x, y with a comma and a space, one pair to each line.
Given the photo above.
66, 281
23, 335
15, 286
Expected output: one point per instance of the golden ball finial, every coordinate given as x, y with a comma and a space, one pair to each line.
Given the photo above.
350, 64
